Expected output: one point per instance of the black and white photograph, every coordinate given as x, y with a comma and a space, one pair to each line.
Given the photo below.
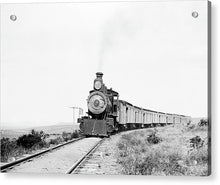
106, 88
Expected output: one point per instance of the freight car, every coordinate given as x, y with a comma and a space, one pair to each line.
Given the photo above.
108, 114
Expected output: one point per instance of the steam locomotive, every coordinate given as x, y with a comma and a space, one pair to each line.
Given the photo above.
108, 114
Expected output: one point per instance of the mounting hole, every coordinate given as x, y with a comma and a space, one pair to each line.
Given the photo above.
13, 17
195, 14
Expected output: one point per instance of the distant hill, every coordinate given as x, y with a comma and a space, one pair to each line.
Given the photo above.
52, 129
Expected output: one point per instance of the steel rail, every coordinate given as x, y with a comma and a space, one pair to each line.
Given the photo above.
10, 165
83, 158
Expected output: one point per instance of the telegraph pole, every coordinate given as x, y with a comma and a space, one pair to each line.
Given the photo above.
80, 112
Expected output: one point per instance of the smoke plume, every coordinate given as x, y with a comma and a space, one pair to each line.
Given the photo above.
121, 27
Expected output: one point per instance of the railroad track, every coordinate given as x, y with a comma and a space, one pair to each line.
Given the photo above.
83, 163
6, 167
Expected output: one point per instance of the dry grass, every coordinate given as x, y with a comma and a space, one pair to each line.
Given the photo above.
173, 155
13, 149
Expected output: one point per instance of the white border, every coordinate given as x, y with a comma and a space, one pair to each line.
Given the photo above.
57, 179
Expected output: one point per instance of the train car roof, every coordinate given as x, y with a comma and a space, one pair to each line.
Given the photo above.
125, 102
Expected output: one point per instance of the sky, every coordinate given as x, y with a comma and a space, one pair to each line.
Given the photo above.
153, 53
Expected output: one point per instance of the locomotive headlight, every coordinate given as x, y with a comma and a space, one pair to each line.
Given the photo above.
98, 85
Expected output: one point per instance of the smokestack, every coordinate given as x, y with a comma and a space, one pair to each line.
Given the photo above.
99, 75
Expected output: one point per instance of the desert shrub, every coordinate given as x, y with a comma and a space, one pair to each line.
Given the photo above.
153, 139
191, 127
40, 145
46, 136
196, 142
40, 134
66, 136
29, 140
55, 141
203, 122
75, 134
7, 148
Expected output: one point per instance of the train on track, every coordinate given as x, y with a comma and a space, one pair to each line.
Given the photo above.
108, 114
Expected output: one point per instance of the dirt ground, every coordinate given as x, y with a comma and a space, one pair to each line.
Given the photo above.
108, 151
